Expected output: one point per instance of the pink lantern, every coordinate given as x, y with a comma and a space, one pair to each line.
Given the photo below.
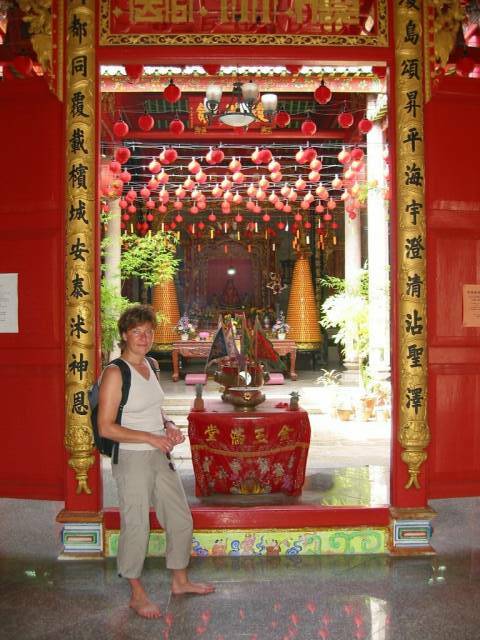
300, 184
194, 166
235, 165
337, 182
343, 156
154, 166
274, 166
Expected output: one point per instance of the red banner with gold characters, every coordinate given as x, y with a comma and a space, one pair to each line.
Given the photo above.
238, 21
255, 452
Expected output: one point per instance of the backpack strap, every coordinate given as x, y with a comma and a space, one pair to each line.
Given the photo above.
126, 383
154, 364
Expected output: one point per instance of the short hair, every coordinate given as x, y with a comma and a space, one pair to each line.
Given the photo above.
133, 316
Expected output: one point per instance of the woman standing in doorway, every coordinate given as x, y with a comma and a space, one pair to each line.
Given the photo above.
145, 472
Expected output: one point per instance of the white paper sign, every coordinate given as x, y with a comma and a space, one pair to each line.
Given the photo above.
8, 302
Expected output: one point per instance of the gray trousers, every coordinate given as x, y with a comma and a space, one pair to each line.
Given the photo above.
144, 478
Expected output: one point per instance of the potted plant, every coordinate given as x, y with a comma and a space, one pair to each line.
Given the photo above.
346, 310
184, 327
330, 380
280, 328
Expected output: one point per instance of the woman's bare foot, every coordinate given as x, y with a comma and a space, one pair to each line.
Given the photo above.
145, 608
201, 588
140, 602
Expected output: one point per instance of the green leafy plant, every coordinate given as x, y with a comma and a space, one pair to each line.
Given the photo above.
329, 378
151, 259
112, 304
346, 310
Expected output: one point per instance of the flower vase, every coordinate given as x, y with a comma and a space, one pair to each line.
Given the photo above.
281, 335
184, 337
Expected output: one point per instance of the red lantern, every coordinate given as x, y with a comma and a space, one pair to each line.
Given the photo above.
309, 128
217, 156
293, 68
282, 119
172, 93
122, 154
115, 166
309, 154
265, 156
322, 94
146, 122
211, 69
170, 155
120, 129
23, 64
357, 154
125, 176
134, 71
345, 119
365, 125
176, 127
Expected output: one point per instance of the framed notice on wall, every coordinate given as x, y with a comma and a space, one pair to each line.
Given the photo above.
471, 305
8, 302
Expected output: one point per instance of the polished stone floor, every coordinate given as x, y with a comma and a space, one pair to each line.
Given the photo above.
303, 598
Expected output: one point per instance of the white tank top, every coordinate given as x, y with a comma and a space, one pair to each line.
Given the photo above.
143, 410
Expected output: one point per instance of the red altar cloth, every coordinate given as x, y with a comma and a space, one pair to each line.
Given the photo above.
237, 452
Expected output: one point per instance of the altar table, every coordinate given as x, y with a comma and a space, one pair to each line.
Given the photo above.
201, 349
255, 452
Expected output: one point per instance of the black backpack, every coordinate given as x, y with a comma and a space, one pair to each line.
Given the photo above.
104, 445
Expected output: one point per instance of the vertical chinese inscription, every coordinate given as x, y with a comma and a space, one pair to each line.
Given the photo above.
413, 432
80, 75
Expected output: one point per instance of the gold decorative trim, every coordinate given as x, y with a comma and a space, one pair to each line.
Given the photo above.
80, 226
413, 433
308, 346
206, 39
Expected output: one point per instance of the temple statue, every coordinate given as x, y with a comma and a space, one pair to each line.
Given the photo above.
230, 296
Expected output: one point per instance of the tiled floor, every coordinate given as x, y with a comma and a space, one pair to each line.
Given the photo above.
340, 598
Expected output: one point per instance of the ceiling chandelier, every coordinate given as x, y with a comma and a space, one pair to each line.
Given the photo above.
241, 110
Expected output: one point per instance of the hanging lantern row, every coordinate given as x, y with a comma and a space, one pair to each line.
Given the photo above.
243, 108
231, 189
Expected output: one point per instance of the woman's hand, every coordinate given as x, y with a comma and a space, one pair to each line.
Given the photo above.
163, 442
174, 433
